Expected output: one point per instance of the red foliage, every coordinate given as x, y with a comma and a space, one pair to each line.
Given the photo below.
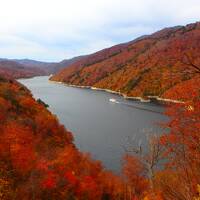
151, 65
49, 183
133, 170
88, 188
70, 177
39, 155
182, 143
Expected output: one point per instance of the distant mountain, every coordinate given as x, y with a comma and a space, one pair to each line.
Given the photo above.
48, 67
150, 65
18, 68
13, 69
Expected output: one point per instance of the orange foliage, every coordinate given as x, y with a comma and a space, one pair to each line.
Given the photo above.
38, 159
133, 171
39, 156
148, 66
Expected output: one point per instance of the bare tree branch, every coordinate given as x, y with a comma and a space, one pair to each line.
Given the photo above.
151, 158
190, 63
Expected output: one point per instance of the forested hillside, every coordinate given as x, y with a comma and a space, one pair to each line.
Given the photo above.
148, 66
26, 68
38, 159
13, 69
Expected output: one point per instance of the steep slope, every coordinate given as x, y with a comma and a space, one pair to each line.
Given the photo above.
65, 63
38, 159
147, 66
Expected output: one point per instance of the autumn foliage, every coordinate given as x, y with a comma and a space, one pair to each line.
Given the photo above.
164, 64
178, 176
38, 159
13, 69
152, 65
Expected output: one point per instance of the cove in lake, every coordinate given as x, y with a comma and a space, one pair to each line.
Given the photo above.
99, 126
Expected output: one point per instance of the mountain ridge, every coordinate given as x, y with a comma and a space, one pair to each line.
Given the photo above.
150, 65
26, 68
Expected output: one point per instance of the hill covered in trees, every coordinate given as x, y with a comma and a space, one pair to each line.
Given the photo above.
26, 68
38, 159
151, 65
13, 69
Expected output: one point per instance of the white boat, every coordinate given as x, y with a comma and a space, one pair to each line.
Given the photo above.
113, 100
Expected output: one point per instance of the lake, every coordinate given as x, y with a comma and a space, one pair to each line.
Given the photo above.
100, 127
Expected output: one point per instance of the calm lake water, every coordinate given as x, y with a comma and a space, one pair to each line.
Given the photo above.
99, 126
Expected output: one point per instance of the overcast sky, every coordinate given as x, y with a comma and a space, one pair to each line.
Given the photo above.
52, 30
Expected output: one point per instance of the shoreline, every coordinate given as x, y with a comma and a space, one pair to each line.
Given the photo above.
150, 98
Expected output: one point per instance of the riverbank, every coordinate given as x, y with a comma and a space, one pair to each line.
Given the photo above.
99, 126
141, 99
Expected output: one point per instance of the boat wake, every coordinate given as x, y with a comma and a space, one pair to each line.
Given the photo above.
135, 107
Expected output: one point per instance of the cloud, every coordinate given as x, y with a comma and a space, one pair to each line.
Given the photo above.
59, 29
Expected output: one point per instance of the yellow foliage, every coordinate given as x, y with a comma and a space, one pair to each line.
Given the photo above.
198, 189
4, 189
